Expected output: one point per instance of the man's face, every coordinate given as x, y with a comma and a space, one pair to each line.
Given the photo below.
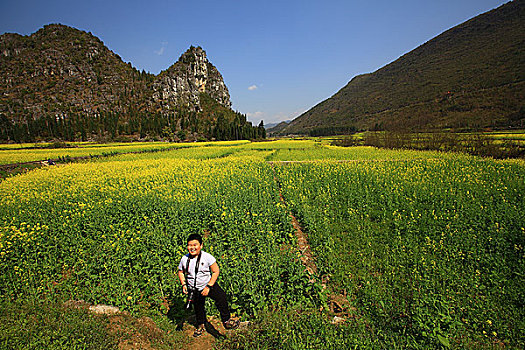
194, 247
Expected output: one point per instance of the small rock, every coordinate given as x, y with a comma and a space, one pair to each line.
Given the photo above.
104, 309
337, 320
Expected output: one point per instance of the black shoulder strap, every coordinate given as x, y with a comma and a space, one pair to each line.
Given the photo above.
196, 268
187, 265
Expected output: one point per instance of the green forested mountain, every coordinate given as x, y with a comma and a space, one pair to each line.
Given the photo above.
63, 83
469, 77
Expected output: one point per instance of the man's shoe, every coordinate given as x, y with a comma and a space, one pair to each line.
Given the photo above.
231, 324
198, 332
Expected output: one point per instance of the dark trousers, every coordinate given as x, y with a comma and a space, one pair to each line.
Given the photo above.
219, 296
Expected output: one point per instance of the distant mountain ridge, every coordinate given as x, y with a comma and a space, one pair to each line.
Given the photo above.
61, 82
276, 128
469, 77
272, 125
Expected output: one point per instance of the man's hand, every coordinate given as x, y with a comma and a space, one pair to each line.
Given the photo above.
185, 289
205, 291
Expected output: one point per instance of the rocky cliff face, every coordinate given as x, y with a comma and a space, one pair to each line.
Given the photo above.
192, 74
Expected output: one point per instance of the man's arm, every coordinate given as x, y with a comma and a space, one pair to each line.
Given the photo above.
214, 275
183, 282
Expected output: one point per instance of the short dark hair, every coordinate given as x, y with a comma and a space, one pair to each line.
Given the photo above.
195, 236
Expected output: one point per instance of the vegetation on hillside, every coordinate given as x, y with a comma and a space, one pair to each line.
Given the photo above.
468, 78
61, 83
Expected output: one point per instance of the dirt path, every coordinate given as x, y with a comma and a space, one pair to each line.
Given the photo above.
206, 341
307, 257
214, 331
338, 304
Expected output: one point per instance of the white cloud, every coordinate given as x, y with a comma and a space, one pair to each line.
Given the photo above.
252, 87
255, 115
162, 48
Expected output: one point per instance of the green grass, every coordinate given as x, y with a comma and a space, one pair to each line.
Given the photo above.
296, 328
44, 325
430, 252
70, 325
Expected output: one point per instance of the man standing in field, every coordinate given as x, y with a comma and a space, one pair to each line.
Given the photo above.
198, 273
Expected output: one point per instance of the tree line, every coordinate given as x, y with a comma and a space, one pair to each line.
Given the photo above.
470, 143
179, 125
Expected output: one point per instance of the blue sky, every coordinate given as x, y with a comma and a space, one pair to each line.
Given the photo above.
278, 58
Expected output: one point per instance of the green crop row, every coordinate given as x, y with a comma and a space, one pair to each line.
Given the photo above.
114, 232
429, 252
21, 155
